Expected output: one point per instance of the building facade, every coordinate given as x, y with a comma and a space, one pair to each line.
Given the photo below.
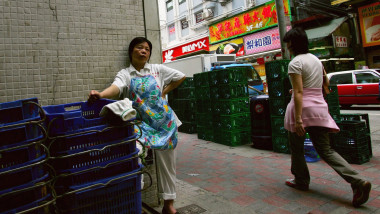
249, 29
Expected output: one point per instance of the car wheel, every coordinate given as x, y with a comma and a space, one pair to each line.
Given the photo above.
345, 106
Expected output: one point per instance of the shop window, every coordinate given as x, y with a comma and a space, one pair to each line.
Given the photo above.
171, 29
181, 2
169, 5
198, 17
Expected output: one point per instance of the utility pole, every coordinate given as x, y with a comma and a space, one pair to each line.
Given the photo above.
282, 27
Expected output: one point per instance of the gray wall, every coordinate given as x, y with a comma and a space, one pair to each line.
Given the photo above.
59, 50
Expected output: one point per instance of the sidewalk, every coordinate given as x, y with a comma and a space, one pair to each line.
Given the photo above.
214, 178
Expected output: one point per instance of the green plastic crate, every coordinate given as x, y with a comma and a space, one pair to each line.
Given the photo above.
279, 87
277, 69
234, 137
280, 144
213, 78
356, 155
277, 125
186, 93
352, 129
231, 106
235, 121
230, 91
200, 79
232, 75
188, 82
204, 119
202, 93
277, 106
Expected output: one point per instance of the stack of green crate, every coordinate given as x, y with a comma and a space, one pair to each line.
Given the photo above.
182, 101
352, 141
279, 97
203, 106
332, 100
230, 106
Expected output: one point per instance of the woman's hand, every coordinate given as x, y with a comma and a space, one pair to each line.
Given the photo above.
300, 130
94, 96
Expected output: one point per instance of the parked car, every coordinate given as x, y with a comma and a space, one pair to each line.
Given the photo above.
356, 86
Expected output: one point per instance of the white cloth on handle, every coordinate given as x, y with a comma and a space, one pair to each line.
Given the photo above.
122, 108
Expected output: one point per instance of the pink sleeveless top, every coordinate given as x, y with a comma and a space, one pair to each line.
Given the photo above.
315, 111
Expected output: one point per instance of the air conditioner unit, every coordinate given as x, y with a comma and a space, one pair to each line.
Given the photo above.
251, 3
207, 14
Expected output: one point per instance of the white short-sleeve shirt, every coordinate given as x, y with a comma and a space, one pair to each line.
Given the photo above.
310, 68
163, 75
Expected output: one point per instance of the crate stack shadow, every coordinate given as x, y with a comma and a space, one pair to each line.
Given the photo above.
182, 101
25, 178
95, 160
353, 142
222, 100
279, 97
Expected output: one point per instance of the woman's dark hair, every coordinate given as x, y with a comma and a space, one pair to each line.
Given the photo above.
136, 41
298, 38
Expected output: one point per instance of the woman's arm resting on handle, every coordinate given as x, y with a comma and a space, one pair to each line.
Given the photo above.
297, 85
172, 85
110, 92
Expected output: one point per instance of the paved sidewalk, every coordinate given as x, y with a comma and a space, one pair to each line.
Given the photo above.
214, 178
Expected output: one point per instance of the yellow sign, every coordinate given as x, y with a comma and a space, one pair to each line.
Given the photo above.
258, 18
369, 17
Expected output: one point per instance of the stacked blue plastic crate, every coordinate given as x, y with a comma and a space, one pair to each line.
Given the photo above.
25, 180
96, 163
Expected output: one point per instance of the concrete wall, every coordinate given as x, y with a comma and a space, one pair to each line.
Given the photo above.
59, 50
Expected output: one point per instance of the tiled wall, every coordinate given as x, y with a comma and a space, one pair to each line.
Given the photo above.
58, 50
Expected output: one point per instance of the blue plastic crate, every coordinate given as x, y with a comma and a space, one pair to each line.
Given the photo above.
22, 134
19, 111
24, 198
102, 171
16, 157
111, 195
90, 138
100, 154
31, 172
40, 206
74, 117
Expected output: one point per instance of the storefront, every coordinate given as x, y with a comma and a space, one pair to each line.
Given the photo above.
332, 42
369, 18
252, 35
198, 46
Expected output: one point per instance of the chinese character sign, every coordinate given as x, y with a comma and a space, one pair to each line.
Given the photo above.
258, 18
263, 41
369, 17
341, 42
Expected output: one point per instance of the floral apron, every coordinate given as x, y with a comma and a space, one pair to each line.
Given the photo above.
159, 127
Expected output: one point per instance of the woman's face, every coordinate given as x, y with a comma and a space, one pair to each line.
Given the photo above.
141, 53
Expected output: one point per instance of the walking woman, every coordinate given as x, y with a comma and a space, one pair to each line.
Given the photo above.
147, 85
308, 112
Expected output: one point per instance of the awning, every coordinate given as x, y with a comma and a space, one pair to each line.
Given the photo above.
326, 30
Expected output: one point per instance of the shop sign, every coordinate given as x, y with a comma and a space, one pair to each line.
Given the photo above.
263, 41
369, 17
197, 45
235, 46
258, 18
341, 42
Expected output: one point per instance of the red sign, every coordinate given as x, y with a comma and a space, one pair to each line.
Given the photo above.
194, 46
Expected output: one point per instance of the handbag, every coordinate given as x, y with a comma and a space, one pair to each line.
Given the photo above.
325, 85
